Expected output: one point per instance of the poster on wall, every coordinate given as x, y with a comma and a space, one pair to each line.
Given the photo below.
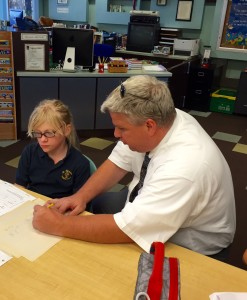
234, 28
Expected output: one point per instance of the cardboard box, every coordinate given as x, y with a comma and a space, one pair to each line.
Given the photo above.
223, 101
117, 66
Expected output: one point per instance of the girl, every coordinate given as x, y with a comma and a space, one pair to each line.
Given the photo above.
53, 166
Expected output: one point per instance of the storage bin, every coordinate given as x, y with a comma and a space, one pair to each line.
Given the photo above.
223, 100
116, 66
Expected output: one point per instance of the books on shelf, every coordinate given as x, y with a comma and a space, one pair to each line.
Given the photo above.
134, 63
116, 58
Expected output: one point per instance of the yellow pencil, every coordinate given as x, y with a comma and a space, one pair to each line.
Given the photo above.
50, 205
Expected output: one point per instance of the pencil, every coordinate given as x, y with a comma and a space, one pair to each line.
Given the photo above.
50, 205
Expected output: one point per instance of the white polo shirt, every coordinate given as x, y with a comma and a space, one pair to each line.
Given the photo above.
187, 195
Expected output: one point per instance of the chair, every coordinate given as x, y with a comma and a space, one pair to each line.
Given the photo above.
93, 167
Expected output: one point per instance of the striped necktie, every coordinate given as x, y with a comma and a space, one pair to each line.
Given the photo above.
143, 173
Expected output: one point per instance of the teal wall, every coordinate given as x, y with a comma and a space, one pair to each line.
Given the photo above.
169, 11
76, 10
3, 10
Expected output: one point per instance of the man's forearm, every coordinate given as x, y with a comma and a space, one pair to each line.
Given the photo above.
101, 181
92, 228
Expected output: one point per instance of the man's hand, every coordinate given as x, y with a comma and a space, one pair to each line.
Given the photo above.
48, 220
70, 205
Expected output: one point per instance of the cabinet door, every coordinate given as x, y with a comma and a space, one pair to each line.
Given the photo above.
79, 95
200, 85
32, 91
104, 88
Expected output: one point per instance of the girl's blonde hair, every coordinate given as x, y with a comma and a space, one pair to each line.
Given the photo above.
58, 115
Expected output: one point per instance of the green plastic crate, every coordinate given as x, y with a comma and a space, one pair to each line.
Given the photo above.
223, 100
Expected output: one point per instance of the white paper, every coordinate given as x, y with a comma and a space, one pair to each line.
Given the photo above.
62, 10
228, 296
34, 36
4, 258
11, 197
19, 238
34, 57
154, 68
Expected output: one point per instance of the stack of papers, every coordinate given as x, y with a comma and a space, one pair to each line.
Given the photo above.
134, 63
153, 68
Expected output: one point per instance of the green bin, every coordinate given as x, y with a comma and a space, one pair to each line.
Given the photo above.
223, 100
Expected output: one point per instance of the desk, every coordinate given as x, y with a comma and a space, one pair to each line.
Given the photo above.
79, 270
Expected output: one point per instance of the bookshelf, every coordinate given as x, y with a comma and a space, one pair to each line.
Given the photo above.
7, 88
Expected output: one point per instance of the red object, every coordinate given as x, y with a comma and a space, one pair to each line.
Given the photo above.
155, 284
205, 65
156, 279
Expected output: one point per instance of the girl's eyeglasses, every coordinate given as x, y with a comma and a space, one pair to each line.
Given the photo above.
47, 134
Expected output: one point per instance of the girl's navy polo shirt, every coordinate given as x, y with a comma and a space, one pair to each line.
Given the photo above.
38, 173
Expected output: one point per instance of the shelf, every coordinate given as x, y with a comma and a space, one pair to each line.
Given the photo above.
7, 131
7, 88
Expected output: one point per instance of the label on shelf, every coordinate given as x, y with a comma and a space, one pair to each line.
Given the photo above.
5, 51
6, 104
6, 88
6, 96
4, 61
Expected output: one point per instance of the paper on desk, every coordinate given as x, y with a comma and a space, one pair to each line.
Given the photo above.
19, 238
228, 296
11, 197
4, 258
154, 68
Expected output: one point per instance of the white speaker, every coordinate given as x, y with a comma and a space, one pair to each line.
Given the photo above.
69, 61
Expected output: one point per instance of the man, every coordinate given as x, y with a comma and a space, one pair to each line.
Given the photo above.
187, 195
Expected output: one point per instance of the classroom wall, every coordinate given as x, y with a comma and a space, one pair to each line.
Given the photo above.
207, 33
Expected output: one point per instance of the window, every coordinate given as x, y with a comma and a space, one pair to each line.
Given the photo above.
25, 5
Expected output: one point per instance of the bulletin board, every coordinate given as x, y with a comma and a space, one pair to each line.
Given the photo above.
233, 28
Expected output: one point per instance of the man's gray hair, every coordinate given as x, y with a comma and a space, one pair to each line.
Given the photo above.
142, 97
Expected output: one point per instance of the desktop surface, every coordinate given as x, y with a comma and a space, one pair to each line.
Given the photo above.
75, 269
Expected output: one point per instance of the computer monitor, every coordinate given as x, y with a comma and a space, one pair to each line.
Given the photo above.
13, 14
142, 37
82, 40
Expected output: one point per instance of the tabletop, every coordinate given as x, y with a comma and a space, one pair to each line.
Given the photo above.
74, 269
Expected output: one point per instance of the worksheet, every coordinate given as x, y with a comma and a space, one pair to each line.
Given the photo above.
19, 238
11, 197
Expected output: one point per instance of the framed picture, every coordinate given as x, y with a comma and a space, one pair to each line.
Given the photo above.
184, 10
62, 1
161, 2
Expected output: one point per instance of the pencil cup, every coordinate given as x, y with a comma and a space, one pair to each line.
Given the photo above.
101, 68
